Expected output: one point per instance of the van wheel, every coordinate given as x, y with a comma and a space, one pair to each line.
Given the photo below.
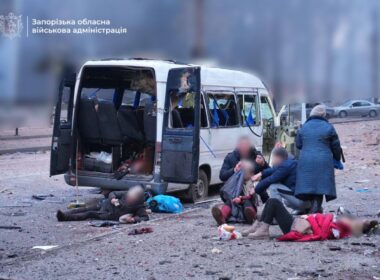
199, 191
342, 114
372, 113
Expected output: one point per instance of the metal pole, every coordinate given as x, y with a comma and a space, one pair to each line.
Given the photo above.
375, 56
198, 48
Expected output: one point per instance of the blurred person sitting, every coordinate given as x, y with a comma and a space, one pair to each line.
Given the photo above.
123, 206
241, 207
233, 161
281, 181
313, 227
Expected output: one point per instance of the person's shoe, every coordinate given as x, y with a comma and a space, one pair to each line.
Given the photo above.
218, 216
61, 216
316, 206
252, 229
250, 214
262, 232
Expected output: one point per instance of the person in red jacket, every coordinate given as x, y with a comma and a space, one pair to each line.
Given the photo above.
314, 227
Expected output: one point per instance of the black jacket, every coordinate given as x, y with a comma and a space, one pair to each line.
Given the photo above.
284, 174
115, 212
230, 162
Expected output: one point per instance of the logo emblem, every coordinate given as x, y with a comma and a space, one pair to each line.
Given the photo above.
10, 25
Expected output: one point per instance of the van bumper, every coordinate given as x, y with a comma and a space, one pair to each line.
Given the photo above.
108, 183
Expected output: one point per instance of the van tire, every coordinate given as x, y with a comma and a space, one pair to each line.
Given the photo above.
199, 191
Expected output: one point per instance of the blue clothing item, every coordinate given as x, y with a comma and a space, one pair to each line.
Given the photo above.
319, 145
284, 174
338, 164
165, 204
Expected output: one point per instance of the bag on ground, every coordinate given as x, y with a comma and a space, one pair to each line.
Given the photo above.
165, 204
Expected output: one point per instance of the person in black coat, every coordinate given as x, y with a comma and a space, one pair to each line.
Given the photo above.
244, 151
281, 181
124, 206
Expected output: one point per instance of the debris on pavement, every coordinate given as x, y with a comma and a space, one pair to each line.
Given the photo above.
216, 251
100, 223
10, 227
45, 247
41, 196
335, 248
362, 181
76, 204
143, 230
363, 190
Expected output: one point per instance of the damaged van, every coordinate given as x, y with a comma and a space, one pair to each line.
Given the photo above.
162, 124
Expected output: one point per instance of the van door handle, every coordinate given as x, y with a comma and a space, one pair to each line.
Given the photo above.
175, 140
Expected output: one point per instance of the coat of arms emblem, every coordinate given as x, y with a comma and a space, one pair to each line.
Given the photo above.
10, 25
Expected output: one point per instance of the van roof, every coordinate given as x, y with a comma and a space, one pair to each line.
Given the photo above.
210, 76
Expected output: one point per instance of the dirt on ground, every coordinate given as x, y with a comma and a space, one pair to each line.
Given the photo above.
180, 246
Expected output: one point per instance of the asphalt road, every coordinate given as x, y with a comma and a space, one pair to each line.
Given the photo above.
181, 245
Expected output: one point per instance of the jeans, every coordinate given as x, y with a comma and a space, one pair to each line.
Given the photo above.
274, 209
285, 194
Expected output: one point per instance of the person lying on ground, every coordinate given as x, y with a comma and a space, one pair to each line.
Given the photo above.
233, 161
239, 205
313, 227
123, 206
281, 181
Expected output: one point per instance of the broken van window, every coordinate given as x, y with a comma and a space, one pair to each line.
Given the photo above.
248, 109
222, 109
266, 110
182, 100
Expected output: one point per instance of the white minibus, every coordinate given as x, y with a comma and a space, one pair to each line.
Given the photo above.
162, 124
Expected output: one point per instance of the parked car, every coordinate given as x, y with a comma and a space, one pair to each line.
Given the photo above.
296, 111
361, 108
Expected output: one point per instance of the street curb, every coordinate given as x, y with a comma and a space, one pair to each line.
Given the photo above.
25, 150
14, 137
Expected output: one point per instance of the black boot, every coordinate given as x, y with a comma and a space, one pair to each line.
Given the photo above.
61, 216
316, 205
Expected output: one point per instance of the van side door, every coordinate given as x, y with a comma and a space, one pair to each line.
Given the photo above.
268, 118
61, 139
181, 125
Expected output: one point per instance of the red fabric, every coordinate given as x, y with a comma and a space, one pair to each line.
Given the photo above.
322, 226
226, 211
253, 210
247, 197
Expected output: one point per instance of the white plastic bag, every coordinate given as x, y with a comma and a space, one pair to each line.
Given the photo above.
226, 232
